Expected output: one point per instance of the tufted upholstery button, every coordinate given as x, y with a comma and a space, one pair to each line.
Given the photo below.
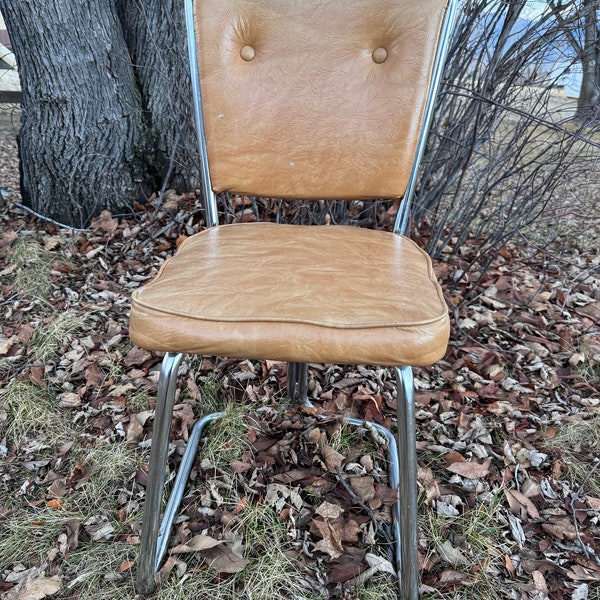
379, 55
247, 53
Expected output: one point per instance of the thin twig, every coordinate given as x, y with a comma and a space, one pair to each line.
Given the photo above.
39, 216
354, 496
167, 178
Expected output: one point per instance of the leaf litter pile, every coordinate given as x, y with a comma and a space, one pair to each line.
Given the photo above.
283, 503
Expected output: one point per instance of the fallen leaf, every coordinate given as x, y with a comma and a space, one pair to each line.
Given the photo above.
6, 344
518, 503
55, 503
539, 581
197, 543
332, 458
580, 592
57, 489
331, 543
329, 511
579, 573
450, 554
31, 584
509, 565
137, 357
364, 487
104, 222
223, 559
471, 469
125, 566
349, 531
69, 400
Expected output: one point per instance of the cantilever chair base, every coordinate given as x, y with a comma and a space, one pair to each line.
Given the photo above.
401, 454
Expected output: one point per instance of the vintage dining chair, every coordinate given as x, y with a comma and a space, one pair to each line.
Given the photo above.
311, 100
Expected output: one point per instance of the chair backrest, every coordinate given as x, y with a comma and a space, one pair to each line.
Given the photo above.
320, 99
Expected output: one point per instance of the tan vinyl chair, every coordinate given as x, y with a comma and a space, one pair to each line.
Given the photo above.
313, 100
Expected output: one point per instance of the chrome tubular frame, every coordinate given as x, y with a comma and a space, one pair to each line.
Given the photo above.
402, 216
401, 455
208, 195
183, 474
297, 382
408, 509
167, 384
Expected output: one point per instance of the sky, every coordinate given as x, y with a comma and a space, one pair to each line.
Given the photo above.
534, 8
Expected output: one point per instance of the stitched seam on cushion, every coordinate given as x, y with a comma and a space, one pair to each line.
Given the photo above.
185, 315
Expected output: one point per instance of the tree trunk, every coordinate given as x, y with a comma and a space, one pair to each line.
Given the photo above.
82, 131
588, 104
155, 35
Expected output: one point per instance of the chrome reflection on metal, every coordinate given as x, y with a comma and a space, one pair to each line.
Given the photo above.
297, 383
402, 217
393, 476
167, 384
183, 475
407, 454
210, 200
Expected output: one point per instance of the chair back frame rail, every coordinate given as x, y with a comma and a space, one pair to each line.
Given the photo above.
401, 222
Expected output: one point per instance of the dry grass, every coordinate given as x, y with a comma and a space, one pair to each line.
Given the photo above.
478, 539
578, 444
32, 417
33, 268
49, 337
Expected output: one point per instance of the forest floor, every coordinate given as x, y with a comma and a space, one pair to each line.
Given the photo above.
284, 505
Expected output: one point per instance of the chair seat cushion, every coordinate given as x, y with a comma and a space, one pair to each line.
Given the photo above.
296, 293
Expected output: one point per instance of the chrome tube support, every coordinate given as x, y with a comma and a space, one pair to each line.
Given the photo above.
297, 383
167, 384
154, 538
408, 509
393, 479
402, 216
404, 514
183, 474
208, 195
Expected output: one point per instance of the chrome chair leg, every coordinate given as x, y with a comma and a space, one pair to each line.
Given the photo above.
183, 474
407, 451
297, 389
165, 400
297, 383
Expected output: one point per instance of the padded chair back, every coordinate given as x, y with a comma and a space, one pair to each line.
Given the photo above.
311, 99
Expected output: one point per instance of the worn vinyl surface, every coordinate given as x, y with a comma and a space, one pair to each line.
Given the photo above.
312, 99
298, 293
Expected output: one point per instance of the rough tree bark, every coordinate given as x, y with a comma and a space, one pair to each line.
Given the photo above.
82, 116
588, 104
155, 35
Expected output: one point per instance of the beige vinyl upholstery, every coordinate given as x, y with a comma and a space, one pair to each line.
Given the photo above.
295, 293
305, 99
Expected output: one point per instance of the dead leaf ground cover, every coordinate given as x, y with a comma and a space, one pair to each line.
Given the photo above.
282, 504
